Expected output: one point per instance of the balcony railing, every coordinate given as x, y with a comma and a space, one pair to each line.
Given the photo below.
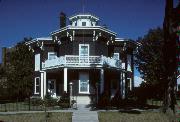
81, 61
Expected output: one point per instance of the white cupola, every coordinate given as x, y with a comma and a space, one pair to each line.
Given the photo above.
83, 20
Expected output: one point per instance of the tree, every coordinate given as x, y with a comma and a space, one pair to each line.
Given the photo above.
157, 63
169, 57
20, 71
149, 60
149, 55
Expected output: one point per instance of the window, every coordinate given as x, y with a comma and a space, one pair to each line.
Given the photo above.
116, 56
37, 62
52, 55
51, 85
37, 85
83, 86
84, 53
84, 49
83, 23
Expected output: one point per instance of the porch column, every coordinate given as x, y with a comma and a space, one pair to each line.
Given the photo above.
123, 85
120, 83
101, 81
45, 82
42, 85
65, 79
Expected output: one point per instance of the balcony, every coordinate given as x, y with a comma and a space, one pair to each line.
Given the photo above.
81, 61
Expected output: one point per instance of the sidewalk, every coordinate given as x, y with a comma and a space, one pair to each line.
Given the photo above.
83, 114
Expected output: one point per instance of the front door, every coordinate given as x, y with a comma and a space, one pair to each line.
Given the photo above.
52, 87
83, 83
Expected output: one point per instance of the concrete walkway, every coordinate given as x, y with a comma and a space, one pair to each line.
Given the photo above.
84, 114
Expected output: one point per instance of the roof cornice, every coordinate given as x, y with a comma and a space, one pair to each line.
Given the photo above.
69, 27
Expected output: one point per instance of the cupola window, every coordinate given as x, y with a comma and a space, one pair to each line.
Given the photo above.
83, 23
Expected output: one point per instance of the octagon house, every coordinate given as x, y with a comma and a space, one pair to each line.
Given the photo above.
85, 54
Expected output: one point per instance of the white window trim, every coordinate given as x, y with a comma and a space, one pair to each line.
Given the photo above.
80, 88
116, 54
37, 62
80, 45
51, 53
35, 92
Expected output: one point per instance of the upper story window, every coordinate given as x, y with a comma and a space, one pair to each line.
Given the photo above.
52, 55
84, 49
83, 23
116, 56
37, 62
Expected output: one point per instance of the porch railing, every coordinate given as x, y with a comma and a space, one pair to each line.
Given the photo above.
76, 60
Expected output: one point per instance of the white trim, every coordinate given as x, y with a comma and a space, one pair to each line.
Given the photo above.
119, 39
42, 85
123, 85
35, 91
116, 54
37, 62
65, 79
84, 27
83, 15
129, 68
80, 45
102, 81
39, 39
130, 83
80, 92
44, 91
54, 53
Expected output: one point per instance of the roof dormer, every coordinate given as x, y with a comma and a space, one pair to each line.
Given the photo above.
81, 20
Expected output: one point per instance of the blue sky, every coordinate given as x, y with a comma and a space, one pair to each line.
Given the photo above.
37, 18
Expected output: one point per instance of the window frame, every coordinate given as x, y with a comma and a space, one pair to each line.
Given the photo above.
130, 84
50, 53
83, 92
80, 45
116, 54
35, 85
84, 23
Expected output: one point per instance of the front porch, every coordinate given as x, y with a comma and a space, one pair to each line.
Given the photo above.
86, 82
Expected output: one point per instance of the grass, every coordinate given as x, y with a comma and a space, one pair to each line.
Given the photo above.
37, 117
132, 117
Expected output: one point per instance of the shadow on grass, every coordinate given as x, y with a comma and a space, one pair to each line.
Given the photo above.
130, 111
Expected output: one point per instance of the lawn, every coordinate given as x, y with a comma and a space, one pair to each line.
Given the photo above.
132, 117
37, 117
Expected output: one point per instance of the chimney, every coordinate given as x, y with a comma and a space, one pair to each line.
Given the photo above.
62, 20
